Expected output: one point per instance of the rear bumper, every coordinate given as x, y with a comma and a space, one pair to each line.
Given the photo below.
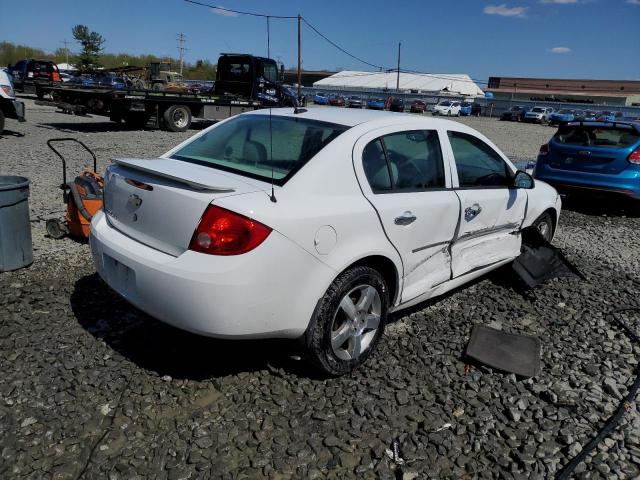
13, 109
268, 292
626, 182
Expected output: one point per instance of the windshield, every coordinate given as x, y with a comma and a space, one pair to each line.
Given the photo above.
537, 109
596, 136
445, 104
245, 145
270, 71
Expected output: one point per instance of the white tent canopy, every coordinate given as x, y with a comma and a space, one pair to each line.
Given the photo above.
66, 66
457, 84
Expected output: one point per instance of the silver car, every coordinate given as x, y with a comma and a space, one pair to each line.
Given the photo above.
538, 115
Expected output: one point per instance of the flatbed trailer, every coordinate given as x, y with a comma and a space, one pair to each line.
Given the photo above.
173, 111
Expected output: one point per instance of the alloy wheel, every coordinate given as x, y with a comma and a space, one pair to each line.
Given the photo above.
356, 322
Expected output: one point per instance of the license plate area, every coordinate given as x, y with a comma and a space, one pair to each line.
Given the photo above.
119, 276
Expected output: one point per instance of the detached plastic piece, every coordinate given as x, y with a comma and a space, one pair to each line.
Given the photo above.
509, 352
541, 261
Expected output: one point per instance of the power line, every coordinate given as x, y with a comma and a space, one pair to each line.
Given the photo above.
239, 12
181, 40
340, 48
66, 49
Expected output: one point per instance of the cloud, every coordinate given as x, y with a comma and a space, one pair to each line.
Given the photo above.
504, 11
559, 50
561, 2
633, 2
224, 13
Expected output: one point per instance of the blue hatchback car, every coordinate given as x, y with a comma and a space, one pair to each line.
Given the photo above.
465, 109
321, 98
601, 156
562, 116
376, 104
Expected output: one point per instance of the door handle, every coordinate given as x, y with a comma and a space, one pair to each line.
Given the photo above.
471, 212
405, 219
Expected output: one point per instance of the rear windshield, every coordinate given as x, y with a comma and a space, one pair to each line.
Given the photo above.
596, 136
248, 146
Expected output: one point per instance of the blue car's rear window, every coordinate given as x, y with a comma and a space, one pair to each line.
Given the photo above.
597, 136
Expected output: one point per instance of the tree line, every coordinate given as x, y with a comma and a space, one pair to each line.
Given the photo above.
92, 56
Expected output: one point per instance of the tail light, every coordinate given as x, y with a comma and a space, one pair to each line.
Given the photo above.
544, 150
55, 76
222, 232
635, 156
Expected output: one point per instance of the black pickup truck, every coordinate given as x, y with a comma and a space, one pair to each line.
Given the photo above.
243, 82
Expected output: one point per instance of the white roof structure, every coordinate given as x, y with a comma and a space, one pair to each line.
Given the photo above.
66, 66
456, 84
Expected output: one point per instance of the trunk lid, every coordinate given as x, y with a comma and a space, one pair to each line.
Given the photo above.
159, 202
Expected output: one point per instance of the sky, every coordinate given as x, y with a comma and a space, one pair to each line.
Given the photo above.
532, 38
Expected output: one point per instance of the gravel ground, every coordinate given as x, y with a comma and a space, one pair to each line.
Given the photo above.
92, 388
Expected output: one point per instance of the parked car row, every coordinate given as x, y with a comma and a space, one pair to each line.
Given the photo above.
540, 114
398, 104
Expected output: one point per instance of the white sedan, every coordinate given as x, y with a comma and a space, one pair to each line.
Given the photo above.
312, 225
447, 108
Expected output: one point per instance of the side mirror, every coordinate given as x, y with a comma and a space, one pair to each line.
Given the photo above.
523, 180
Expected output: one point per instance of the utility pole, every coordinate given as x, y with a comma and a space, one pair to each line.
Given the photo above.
398, 77
66, 49
299, 56
181, 40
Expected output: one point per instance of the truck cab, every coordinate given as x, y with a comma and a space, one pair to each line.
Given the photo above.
251, 77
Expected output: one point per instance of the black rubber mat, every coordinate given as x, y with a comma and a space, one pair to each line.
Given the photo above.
509, 352
540, 261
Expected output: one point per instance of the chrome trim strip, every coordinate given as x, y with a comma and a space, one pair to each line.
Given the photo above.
419, 249
487, 231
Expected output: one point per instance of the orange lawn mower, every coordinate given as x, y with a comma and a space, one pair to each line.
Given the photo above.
83, 197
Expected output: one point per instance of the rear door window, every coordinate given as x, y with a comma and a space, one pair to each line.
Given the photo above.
404, 161
478, 165
596, 136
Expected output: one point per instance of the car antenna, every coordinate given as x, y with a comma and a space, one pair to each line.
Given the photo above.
272, 197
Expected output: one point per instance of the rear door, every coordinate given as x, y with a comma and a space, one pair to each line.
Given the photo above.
403, 176
492, 212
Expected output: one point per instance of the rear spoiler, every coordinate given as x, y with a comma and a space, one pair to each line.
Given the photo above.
139, 164
616, 124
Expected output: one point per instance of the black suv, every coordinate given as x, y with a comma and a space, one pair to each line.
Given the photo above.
30, 75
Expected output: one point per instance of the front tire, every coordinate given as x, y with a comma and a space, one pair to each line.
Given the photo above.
349, 321
544, 225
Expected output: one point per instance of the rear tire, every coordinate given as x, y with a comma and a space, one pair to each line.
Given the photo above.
177, 118
349, 321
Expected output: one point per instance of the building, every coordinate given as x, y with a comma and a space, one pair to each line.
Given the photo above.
434, 84
599, 92
308, 76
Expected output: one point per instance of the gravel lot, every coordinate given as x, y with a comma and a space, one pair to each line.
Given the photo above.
92, 388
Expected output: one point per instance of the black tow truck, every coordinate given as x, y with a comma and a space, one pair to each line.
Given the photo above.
243, 82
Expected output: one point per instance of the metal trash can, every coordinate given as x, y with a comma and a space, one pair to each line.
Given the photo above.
16, 248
